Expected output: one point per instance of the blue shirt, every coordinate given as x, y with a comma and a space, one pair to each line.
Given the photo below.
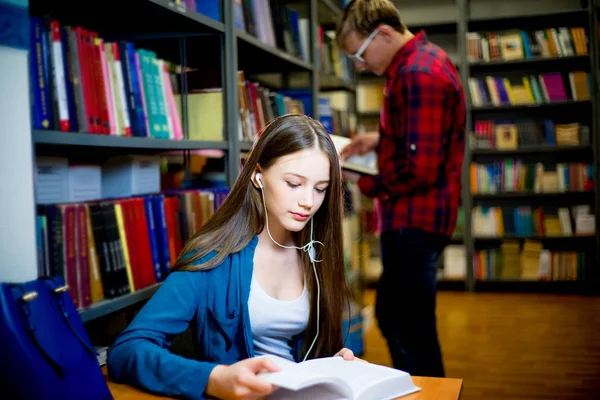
216, 301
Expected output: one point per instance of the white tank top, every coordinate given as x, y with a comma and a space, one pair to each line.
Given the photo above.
274, 322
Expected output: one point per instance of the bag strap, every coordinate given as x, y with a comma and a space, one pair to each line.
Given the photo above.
24, 305
59, 293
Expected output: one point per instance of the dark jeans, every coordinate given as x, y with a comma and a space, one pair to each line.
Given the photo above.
406, 298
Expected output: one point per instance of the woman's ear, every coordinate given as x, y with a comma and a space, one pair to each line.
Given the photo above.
257, 179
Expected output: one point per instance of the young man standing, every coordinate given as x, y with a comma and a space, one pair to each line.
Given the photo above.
420, 146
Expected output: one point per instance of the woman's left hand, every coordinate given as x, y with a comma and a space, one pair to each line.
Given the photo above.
347, 355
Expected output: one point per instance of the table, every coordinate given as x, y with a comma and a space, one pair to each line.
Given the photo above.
431, 388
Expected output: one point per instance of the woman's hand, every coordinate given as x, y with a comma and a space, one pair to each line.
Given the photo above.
240, 380
348, 355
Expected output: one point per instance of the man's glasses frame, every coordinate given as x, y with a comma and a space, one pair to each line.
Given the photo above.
358, 55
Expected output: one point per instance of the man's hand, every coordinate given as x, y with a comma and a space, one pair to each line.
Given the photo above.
361, 144
240, 380
350, 176
348, 355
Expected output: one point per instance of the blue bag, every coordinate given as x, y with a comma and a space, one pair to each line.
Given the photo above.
46, 353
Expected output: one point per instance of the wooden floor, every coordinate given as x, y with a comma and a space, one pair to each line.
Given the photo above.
514, 346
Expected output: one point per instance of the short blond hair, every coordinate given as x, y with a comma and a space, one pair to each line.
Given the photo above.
363, 16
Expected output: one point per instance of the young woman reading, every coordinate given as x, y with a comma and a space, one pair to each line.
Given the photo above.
265, 275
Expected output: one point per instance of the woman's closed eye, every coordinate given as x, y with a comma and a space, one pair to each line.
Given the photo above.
295, 185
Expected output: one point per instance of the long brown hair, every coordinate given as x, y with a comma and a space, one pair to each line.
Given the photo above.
241, 217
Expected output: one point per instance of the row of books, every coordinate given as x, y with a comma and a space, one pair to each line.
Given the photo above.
82, 83
109, 248
530, 89
259, 105
514, 175
531, 262
335, 116
282, 27
332, 60
521, 44
527, 221
273, 23
269, 21
527, 132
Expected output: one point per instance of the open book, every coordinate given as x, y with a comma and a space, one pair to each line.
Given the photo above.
365, 164
334, 378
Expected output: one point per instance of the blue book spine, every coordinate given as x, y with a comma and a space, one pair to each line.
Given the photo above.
34, 61
152, 233
40, 226
137, 94
239, 16
210, 8
162, 240
42, 111
127, 71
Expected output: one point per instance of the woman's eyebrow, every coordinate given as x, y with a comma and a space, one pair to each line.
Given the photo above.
303, 177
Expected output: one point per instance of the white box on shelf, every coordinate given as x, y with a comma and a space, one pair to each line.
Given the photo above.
131, 176
57, 182
85, 183
51, 180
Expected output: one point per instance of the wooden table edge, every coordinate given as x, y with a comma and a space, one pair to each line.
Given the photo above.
431, 388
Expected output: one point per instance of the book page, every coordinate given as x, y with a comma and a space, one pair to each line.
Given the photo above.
365, 164
323, 391
334, 378
298, 380
367, 381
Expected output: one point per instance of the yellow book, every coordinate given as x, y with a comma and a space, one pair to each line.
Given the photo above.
499, 222
205, 114
473, 174
528, 89
96, 287
509, 91
123, 236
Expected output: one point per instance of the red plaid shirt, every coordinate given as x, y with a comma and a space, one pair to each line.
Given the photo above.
422, 140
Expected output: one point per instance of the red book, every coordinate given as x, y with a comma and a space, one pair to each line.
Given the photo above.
83, 266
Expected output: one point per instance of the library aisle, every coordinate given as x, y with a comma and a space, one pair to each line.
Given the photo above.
513, 346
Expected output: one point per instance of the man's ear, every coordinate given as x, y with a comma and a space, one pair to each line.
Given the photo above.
386, 31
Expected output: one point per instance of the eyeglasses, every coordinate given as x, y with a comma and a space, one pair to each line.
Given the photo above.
358, 55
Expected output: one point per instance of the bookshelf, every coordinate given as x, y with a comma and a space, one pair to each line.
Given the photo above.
57, 138
201, 52
462, 28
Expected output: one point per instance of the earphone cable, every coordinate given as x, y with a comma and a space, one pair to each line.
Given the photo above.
312, 255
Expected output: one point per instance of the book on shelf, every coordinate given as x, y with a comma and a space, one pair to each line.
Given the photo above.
529, 262
331, 60
363, 164
529, 89
259, 105
85, 83
112, 247
275, 24
517, 44
528, 132
512, 175
527, 221
335, 378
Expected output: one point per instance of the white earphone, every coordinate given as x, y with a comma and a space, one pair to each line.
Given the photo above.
307, 248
